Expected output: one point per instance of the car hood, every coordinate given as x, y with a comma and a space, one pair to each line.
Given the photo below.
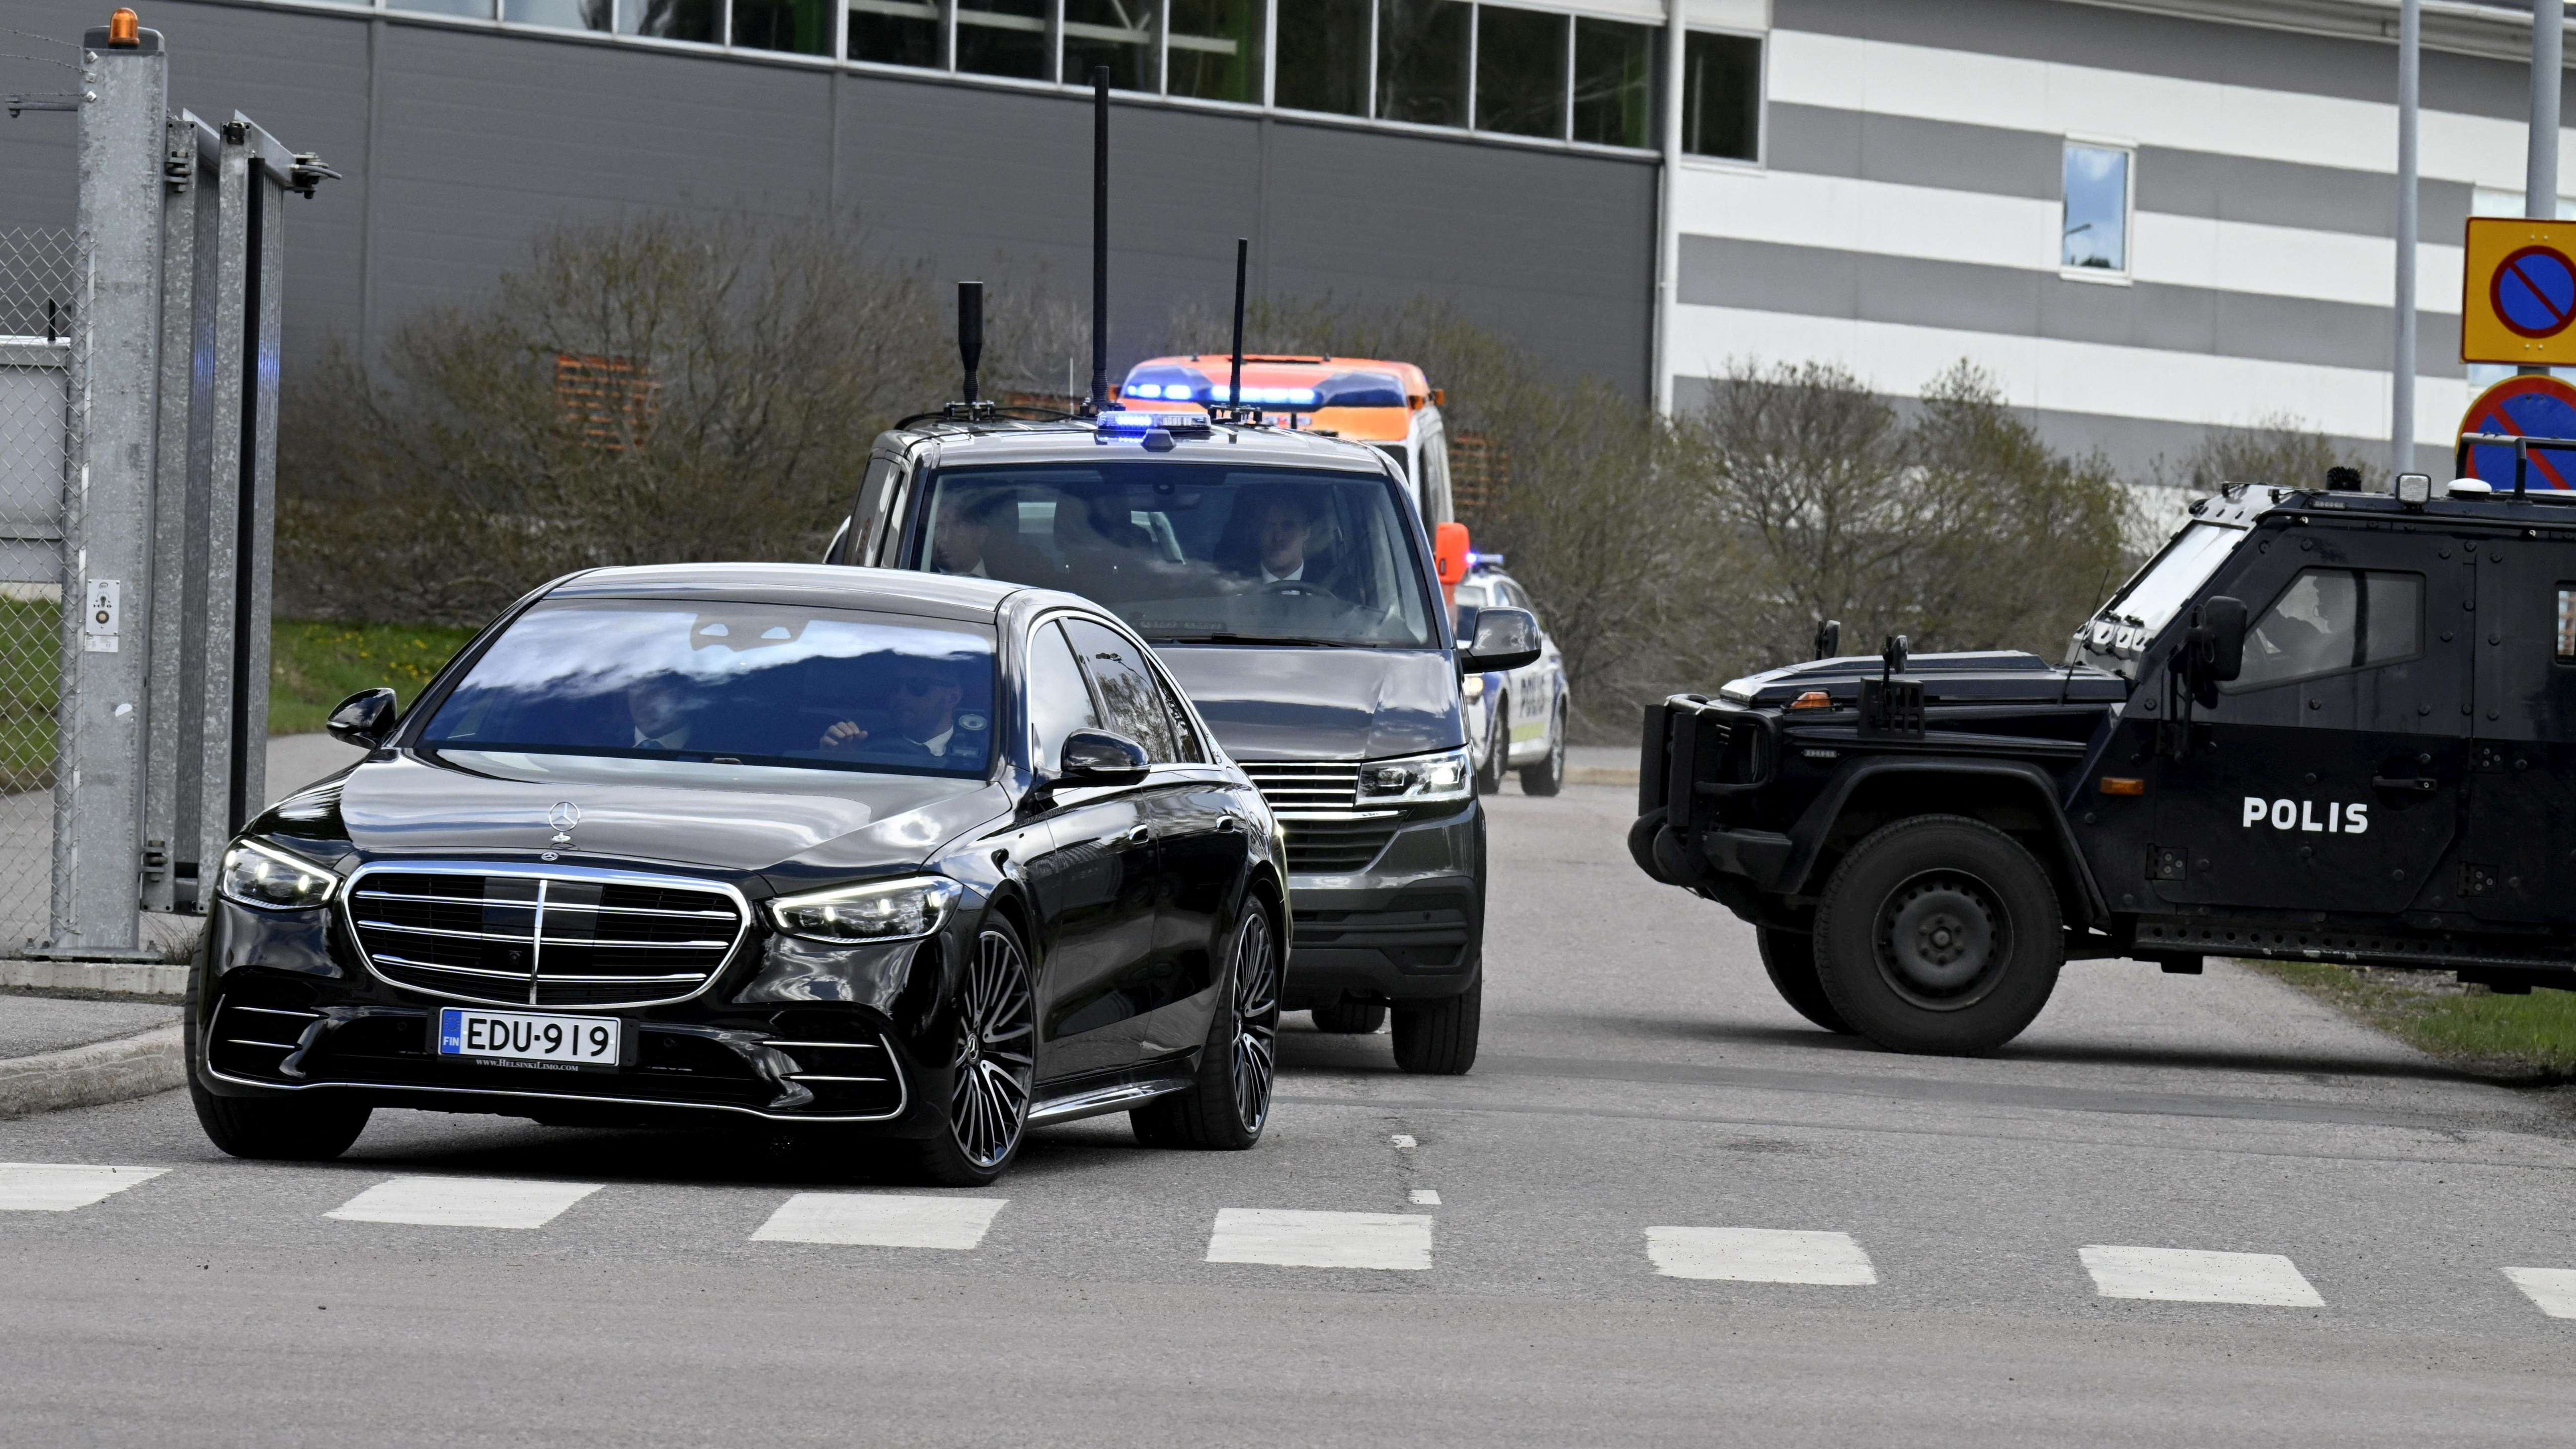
1985, 677
1292, 703
728, 817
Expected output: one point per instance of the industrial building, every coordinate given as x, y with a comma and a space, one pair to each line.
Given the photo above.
2145, 219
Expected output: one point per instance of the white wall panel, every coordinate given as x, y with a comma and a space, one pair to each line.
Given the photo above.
2074, 377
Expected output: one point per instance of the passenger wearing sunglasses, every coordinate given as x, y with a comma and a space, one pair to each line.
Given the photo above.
924, 706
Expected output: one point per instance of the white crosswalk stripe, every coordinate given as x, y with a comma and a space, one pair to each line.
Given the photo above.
1293, 1239
53, 1187
2186, 1275
2553, 1289
881, 1220
1760, 1255
463, 1202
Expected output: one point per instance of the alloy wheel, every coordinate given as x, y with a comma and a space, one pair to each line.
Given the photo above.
995, 1031
1256, 1018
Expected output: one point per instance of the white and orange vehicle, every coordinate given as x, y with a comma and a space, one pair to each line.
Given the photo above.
1390, 406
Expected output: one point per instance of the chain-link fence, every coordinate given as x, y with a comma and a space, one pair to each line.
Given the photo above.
39, 269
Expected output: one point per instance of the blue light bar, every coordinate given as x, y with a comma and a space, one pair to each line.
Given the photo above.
1127, 424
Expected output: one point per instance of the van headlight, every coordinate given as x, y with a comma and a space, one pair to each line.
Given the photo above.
254, 875
886, 910
1417, 779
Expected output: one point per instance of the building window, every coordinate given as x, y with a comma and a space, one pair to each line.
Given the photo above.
1422, 61
1003, 37
1614, 82
1520, 71
471, 9
1116, 33
801, 26
1323, 56
1722, 96
671, 19
1214, 50
561, 14
2096, 227
896, 32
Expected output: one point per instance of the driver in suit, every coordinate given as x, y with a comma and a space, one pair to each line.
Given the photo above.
924, 705
1284, 538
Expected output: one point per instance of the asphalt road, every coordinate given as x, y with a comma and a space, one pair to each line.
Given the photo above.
1639, 1081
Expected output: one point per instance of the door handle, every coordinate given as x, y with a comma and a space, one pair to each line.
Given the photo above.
1140, 835
2420, 784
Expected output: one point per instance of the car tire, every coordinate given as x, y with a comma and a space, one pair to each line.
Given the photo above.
1350, 1018
1498, 745
1229, 1101
1939, 935
274, 1129
993, 1061
1790, 958
1438, 1038
1548, 775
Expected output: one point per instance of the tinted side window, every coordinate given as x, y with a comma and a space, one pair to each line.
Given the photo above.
1059, 701
1127, 689
2329, 620
2567, 623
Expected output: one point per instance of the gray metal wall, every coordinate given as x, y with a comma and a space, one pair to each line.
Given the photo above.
459, 145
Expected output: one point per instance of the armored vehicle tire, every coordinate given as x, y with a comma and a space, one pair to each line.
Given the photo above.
1350, 1018
1790, 958
1939, 934
1438, 1038
1548, 775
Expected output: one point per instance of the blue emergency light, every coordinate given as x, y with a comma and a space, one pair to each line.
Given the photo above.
1127, 424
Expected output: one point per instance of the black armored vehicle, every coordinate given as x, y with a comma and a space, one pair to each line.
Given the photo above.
2319, 725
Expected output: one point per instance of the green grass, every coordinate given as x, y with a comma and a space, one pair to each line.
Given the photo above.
31, 655
2514, 1038
313, 666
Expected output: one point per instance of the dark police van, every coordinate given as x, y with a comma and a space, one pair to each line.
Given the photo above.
2318, 725
1286, 581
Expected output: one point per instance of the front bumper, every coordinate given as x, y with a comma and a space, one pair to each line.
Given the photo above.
1410, 927
281, 1003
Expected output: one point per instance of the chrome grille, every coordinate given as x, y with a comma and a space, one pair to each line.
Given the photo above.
530, 937
1317, 803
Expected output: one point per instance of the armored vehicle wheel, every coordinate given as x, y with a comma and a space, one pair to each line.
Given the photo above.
1350, 1018
1939, 934
1548, 775
1438, 1038
1791, 959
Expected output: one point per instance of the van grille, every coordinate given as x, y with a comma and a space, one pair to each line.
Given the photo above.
1318, 805
531, 939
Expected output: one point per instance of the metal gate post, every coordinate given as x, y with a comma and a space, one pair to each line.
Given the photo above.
107, 508
187, 370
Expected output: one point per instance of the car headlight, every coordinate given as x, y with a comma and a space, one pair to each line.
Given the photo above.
272, 880
1418, 779
889, 910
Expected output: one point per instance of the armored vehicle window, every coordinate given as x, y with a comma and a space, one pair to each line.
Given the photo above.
2151, 598
2334, 619
748, 684
1059, 700
1191, 552
1127, 690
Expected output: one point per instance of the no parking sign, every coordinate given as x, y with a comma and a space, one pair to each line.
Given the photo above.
2523, 407
2518, 292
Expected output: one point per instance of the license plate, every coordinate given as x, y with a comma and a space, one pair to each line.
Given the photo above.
526, 1039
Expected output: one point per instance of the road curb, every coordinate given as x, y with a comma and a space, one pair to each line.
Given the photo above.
85, 1076
117, 978
1599, 775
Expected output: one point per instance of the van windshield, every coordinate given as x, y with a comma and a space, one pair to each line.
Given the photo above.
1191, 553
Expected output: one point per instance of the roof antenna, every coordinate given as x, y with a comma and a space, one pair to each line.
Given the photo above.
970, 339
1099, 241
1234, 387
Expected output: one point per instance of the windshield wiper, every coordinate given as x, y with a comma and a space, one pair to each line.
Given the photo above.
1287, 639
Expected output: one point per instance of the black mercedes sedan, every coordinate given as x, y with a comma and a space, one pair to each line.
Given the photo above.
930, 859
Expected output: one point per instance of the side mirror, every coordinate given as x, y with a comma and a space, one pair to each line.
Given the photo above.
1503, 639
1449, 553
1829, 639
2219, 628
1099, 757
365, 719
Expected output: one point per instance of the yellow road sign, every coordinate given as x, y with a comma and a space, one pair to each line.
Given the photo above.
2518, 292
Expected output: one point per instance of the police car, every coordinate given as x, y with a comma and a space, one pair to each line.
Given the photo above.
1515, 718
2319, 725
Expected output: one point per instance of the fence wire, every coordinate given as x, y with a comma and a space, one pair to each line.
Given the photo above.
39, 270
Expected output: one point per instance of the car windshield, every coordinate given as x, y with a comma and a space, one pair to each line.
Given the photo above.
750, 684
2165, 584
1194, 553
